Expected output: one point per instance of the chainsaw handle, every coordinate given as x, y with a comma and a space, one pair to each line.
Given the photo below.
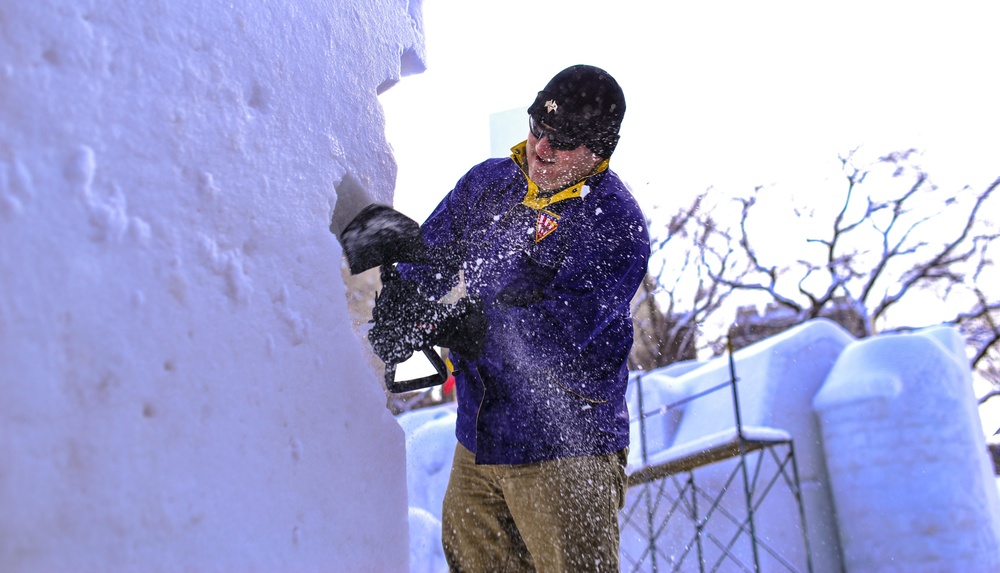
390, 274
417, 383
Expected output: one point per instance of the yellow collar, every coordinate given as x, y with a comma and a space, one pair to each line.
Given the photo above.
531, 198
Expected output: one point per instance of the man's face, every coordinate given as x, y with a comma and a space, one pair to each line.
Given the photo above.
553, 169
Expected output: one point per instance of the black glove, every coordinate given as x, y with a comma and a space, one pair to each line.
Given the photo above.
406, 321
464, 327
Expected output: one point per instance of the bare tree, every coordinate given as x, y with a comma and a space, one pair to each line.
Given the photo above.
678, 293
885, 245
981, 328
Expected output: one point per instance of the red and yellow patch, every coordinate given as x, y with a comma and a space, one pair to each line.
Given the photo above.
545, 224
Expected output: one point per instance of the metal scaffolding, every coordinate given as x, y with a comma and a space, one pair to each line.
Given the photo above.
692, 525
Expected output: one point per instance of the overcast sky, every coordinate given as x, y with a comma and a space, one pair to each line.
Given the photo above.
721, 94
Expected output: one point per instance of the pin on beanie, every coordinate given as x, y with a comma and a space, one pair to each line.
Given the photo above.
584, 104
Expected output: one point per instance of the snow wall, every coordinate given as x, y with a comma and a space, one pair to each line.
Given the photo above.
180, 386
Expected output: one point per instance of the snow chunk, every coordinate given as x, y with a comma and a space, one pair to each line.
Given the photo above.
426, 553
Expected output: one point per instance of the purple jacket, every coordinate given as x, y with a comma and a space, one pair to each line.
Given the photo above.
556, 281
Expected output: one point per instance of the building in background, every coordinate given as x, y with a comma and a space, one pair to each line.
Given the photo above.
507, 129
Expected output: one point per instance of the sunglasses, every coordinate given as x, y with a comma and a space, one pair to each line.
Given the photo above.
556, 141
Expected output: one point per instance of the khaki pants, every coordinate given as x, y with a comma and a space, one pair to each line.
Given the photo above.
555, 516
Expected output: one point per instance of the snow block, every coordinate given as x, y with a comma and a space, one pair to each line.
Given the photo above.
430, 449
912, 483
426, 551
181, 388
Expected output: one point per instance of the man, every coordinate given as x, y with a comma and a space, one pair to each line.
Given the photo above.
552, 247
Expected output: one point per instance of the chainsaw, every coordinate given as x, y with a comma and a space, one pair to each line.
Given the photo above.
380, 236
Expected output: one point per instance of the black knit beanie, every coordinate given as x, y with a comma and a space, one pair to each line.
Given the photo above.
585, 104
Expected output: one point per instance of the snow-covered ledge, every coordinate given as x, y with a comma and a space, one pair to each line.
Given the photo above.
180, 386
